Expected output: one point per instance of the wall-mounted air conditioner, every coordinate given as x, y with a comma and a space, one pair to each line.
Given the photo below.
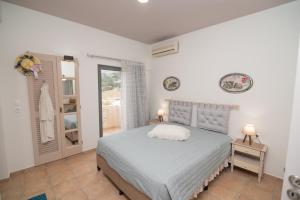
165, 49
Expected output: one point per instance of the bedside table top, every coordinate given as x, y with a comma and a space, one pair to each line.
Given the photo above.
255, 146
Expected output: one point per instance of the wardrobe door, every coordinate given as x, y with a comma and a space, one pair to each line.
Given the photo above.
51, 150
69, 107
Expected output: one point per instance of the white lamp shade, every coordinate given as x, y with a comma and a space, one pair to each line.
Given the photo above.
160, 112
249, 129
143, 1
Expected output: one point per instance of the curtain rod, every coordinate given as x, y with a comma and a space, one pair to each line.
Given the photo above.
110, 58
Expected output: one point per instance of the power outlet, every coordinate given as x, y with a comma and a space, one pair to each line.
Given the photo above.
18, 107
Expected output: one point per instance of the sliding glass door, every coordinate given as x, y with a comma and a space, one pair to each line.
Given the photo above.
109, 88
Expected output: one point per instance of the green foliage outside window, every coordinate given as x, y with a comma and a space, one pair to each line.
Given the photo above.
111, 80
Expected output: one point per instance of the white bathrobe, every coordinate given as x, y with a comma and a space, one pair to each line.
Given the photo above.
46, 115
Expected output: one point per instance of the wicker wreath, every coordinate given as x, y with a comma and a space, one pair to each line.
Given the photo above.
28, 65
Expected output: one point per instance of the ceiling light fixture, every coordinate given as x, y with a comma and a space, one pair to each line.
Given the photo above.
143, 1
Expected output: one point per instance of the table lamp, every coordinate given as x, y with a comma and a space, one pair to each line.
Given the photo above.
249, 130
160, 114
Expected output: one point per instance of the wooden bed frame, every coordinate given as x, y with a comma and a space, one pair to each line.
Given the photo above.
123, 186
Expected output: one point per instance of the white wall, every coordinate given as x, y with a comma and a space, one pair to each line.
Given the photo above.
22, 29
3, 161
263, 45
292, 161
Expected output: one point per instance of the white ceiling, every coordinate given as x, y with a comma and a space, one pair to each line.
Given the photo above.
151, 22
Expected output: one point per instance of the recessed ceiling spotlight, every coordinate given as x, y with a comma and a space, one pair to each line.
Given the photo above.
143, 1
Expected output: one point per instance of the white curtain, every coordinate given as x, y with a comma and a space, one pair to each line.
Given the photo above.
134, 101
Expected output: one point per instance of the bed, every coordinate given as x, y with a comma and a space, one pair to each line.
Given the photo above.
146, 168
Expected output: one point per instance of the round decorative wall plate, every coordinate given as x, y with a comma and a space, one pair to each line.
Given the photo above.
171, 83
236, 83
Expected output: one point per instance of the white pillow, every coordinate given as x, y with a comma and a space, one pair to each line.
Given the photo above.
169, 132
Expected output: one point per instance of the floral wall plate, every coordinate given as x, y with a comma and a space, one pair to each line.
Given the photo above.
171, 83
236, 83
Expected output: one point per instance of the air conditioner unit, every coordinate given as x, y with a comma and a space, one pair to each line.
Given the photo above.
165, 49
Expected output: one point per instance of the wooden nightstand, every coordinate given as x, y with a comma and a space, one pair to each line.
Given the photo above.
153, 121
249, 157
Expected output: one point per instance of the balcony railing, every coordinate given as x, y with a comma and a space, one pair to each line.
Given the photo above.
111, 114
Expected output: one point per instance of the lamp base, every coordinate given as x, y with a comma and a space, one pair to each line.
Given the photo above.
250, 139
160, 118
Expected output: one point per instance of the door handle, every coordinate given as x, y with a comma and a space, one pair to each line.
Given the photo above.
293, 194
295, 181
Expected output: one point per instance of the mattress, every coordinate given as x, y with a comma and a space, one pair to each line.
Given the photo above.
164, 169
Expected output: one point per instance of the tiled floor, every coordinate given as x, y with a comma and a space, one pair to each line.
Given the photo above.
76, 178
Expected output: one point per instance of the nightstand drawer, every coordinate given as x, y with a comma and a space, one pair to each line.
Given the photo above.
247, 150
246, 165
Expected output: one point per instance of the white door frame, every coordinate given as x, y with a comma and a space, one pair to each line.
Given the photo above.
292, 166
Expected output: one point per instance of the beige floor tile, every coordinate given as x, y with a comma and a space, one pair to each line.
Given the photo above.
88, 178
3, 184
75, 160
277, 189
32, 188
202, 196
255, 194
61, 176
111, 196
57, 166
65, 187
36, 176
232, 182
81, 168
75, 195
267, 184
13, 182
276, 197
223, 192
91, 155
12, 193
95, 191
245, 197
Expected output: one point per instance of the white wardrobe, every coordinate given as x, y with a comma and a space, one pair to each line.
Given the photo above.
63, 81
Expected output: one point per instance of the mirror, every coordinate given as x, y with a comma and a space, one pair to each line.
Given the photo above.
71, 138
68, 87
70, 105
68, 69
69, 108
70, 121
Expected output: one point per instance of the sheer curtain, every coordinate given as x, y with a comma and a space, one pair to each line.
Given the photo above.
134, 101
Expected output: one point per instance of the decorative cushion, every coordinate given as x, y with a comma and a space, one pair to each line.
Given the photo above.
214, 118
180, 112
169, 132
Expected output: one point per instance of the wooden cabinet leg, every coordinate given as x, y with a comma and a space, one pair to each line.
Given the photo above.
232, 157
261, 166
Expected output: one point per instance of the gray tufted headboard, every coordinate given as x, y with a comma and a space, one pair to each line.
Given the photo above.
180, 112
213, 117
